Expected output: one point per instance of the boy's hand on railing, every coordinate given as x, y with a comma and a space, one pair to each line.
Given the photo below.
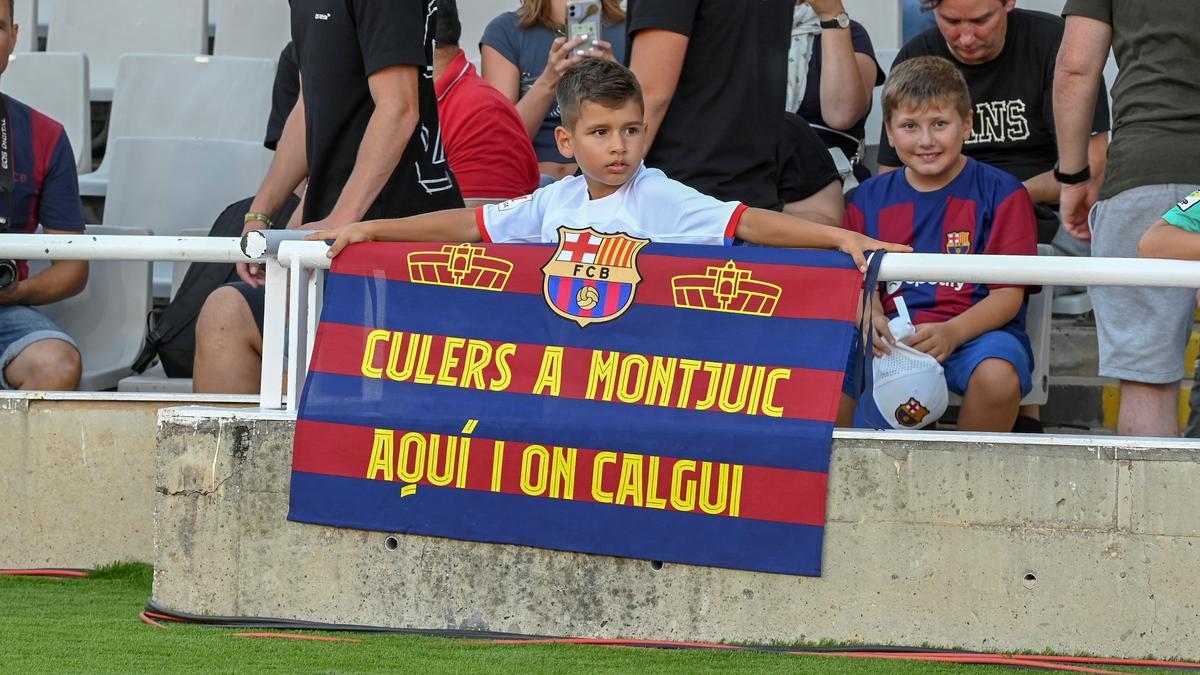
855, 245
342, 237
938, 340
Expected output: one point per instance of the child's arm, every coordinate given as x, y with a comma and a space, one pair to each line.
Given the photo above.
939, 340
770, 228
1164, 240
450, 225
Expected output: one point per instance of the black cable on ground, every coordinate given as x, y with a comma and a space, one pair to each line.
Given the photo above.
1036, 662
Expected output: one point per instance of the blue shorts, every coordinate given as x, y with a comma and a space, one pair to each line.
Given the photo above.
996, 344
21, 326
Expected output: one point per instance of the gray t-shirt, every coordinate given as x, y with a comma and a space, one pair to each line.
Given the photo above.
1157, 93
529, 50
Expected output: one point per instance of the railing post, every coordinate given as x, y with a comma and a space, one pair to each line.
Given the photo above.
316, 296
298, 332
271, 383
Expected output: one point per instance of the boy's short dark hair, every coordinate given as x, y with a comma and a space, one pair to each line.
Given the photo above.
924, 80
596, 81
449, 28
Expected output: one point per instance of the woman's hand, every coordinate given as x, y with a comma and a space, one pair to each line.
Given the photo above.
560, 60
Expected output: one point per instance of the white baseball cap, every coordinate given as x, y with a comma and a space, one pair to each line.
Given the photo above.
908, 386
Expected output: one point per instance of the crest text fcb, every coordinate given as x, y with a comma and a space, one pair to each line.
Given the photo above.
592, 276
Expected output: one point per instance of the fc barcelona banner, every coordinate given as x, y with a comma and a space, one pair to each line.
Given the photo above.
606, 395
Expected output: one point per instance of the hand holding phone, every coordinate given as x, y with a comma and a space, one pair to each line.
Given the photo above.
584, 18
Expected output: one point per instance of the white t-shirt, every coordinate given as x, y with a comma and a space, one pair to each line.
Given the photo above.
649, 206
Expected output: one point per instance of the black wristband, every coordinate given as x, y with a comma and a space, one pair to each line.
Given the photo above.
1072, 178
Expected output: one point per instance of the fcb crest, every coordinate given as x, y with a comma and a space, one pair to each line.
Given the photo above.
911, 413
592, 276
958, 242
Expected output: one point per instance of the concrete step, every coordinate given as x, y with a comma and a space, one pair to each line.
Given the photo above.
1074, 350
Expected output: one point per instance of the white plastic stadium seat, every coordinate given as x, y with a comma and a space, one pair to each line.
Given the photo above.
177, 184
475, 15
1037, 325
104, 30
44, 9
107, 319
165, 95
255, 28
56, 84
883, 19
25, 15
874, 123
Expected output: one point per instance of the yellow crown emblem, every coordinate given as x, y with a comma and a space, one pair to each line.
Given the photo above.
461, 265
725, 289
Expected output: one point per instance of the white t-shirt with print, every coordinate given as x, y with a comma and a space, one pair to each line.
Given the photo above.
649, 206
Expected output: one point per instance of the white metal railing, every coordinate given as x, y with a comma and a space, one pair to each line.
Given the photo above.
293, 310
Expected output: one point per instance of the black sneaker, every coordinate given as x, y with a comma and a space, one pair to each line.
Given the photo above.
1027, 425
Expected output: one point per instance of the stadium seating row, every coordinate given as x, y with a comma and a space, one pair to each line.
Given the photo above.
247, 28
156, 95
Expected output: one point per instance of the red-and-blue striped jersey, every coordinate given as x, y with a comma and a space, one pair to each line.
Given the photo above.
45, 185
983, 210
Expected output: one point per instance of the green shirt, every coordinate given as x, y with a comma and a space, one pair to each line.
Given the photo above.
1185, 215
1157, 93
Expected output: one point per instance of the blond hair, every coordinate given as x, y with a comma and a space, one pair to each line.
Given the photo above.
540, 12
922, 81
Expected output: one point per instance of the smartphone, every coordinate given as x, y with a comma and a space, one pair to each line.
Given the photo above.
583, 20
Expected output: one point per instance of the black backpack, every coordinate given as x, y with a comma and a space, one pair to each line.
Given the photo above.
172, 335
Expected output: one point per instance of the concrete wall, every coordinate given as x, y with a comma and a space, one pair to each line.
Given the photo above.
77, 479
970, 541
77, 482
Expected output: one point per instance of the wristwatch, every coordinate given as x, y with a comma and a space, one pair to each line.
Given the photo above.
842, 20
1072, 178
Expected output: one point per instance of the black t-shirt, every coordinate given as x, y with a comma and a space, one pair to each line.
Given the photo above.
1012, 94
283, 94
721, 132
340, 43
805, 166
810, 107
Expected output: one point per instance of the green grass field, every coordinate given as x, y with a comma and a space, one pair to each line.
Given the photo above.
91, 625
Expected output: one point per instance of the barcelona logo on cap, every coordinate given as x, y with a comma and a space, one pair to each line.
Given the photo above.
592, 276
911, 413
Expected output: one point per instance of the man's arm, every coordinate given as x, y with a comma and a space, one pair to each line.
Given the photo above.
63, 279
770, 228
450, 225
1044, 189
656, 58
1077, 75
397, 113
288, 169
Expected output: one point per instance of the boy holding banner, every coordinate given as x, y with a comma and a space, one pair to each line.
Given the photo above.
603, 130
